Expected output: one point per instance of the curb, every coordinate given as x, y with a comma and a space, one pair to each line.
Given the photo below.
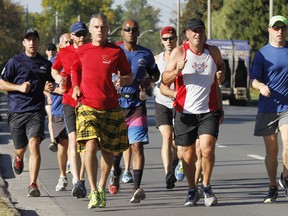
5, 196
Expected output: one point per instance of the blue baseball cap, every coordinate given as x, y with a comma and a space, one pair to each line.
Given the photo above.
77, 27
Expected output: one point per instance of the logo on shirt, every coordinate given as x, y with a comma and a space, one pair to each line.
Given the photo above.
105, 59
142, 62
43, 68
200, 67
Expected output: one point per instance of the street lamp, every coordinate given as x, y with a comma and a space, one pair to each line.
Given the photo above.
144, 32
114, 31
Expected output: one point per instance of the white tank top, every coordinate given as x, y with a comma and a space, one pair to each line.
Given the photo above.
196, 84
160, 98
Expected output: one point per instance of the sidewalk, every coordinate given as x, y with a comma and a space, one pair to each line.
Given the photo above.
5, 161
13, 188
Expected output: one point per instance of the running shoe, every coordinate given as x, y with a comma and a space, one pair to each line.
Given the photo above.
68, 169
170, 180
209, 197
18, 165
78, 190
84, 187
137, 196
272, 195
102, 198
114, 184
93, 199
127, 177
284, 184
192, 198
33, 190
62, 184
179, 171
53, 147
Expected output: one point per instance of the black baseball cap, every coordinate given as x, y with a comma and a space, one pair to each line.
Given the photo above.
194, 24
51, 46
31, 32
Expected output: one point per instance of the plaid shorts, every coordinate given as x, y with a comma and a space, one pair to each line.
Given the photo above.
106, 126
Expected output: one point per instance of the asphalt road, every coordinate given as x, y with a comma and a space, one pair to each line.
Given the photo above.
239, 179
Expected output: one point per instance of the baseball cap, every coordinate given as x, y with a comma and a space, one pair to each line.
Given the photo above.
194, 24
31, 32
277, 18
168, 30
77, 27
51, 46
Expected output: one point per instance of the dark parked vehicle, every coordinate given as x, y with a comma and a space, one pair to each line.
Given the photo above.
236, 55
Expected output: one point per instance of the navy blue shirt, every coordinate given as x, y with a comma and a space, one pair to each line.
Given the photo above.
57, 106
20, 69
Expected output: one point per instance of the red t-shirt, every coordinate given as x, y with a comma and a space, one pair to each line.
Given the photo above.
64, 61
92, 70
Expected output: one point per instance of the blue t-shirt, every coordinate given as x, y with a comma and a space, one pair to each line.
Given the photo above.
270, 66
140, 61
20, 69
56, 106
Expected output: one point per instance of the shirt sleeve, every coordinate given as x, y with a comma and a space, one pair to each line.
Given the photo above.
257, 67
57, 65
9, 71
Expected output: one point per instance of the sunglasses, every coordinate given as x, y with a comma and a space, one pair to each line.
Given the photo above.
80, 34
128, 29
277, 28
169, 38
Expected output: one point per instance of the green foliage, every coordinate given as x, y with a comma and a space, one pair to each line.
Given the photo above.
198, 9
58, 15
12, 30
230, 19
236, 19
147, 18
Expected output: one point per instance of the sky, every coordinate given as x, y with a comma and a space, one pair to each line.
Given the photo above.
166, 8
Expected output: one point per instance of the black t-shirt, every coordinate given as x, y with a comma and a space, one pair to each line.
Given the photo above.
20, 69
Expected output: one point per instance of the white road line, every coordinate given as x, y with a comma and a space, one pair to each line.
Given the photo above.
220, 146
256, 156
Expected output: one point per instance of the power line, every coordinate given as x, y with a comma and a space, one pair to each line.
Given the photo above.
162, 5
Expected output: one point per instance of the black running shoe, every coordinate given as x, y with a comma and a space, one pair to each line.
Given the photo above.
272, 195
192, 197
170, 180
53, 147
284, 184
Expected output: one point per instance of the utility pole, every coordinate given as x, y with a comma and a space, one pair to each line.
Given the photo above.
178, 20
270, 13
27, 18
209, 19
56, 27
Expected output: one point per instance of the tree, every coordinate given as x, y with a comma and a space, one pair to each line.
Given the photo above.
147, 18
236, 19
12, 30
198, 9
58, 15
